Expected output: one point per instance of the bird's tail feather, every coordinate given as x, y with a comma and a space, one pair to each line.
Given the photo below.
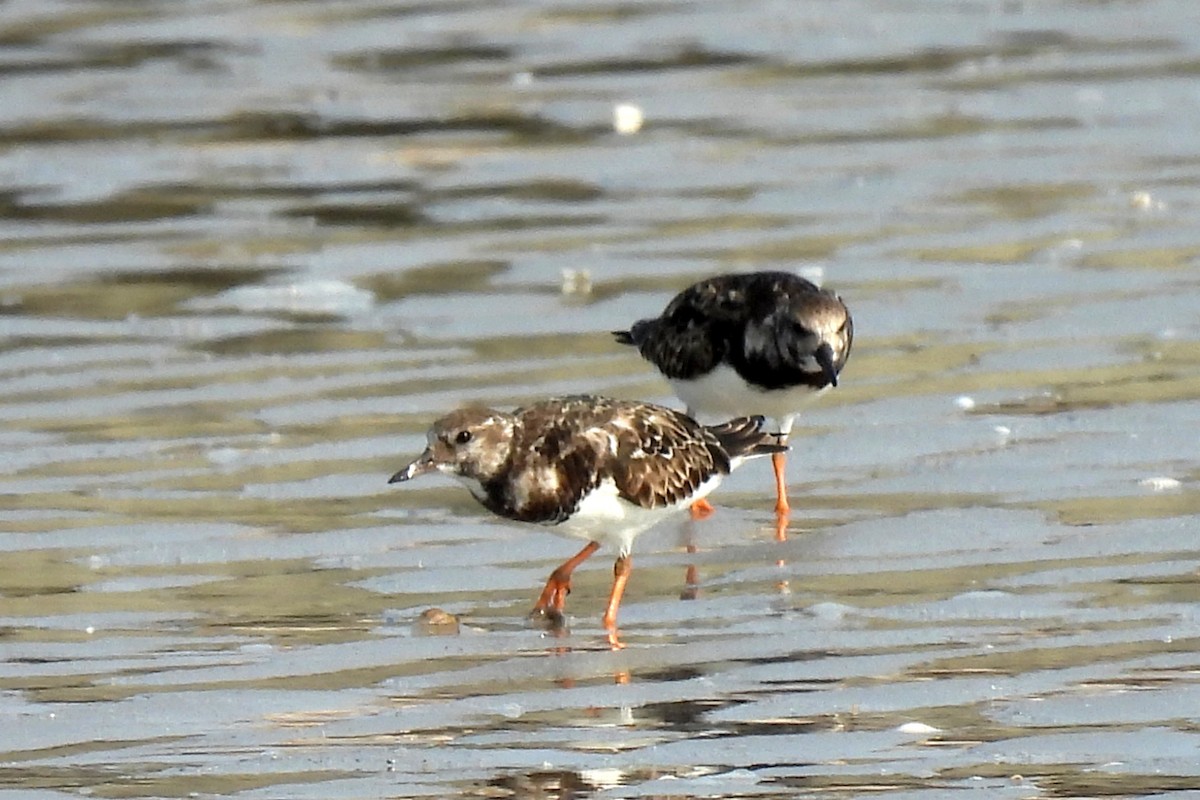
744, 437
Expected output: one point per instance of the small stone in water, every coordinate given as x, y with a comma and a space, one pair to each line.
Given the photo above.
436, 622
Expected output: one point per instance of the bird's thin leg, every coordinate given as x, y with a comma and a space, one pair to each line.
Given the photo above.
558, 585
701, 509
691, 577
621, 570
782, 507
779, 461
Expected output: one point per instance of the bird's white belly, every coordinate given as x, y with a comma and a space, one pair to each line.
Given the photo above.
604, 516
722, 392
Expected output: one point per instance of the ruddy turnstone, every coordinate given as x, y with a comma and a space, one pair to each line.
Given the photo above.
752, 343
589, 467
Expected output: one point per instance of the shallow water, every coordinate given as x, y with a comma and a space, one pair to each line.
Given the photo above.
249, 251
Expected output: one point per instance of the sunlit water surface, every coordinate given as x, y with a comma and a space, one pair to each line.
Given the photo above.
248, 251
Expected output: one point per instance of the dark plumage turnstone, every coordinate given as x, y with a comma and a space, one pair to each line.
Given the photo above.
589, 467
753, 343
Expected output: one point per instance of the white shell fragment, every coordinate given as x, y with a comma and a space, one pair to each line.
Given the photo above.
1144, 201
1159, 483
627, 118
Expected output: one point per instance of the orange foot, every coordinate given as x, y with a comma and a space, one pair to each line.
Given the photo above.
553, 598
781, 527
702, 509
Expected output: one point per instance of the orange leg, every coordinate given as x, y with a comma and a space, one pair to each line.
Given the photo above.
779, 460
621, 570
783, 509
558, 585
701, 509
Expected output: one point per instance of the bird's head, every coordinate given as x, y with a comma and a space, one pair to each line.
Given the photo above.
471, 443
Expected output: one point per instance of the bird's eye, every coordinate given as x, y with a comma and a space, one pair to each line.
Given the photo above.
463, 437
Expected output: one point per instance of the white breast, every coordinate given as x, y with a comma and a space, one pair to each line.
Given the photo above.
604, 516
724, 393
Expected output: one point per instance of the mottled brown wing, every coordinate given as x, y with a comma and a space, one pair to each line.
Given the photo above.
661, 456
554, 462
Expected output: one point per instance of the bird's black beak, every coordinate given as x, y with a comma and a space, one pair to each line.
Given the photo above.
423, 464
824, 356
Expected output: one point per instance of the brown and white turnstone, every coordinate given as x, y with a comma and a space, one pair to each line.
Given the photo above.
752, 343
589, 467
